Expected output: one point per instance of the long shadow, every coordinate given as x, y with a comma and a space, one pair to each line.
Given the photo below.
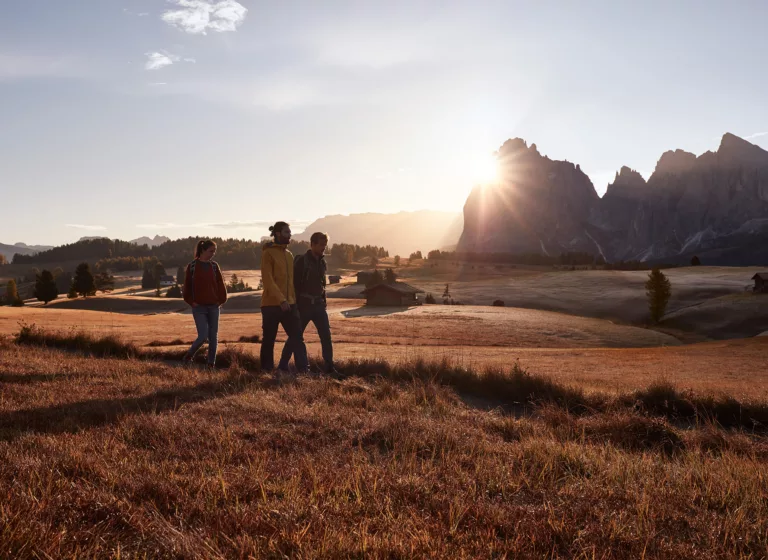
372, 311
82, 415
28, 379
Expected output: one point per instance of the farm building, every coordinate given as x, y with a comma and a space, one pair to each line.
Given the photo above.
333, 279
167, 281
761, 282
392, 295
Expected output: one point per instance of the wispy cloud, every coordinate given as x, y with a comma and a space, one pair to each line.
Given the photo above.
86, 227
158, 60
755, 135
201, 16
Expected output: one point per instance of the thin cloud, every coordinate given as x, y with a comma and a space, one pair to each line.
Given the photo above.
755, 135
200, 16
86, 227
158, 60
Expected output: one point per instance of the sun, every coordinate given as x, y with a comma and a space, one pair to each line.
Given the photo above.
483, 168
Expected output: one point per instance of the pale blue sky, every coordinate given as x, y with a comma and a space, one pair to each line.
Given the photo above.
137, 117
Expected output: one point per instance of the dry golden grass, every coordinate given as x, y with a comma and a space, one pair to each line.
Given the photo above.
107, 458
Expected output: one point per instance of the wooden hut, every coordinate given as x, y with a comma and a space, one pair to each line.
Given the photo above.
761, 283
334, 279
397, 294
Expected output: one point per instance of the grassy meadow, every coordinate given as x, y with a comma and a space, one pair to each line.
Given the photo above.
111, 450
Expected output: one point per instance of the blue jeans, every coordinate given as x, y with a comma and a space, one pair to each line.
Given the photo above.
272, 316
316, 313
207, 322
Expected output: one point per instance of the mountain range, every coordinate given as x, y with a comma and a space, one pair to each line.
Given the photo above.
9, 250
714, 206
401, 234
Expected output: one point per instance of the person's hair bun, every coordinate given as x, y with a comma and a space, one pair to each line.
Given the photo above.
271, 228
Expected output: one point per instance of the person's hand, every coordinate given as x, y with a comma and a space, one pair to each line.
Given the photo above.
285, 307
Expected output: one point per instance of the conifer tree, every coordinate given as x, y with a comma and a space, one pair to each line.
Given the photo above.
658, 289
45, 287
84, 283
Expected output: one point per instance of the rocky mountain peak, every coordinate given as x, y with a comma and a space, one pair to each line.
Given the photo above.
677, 161
737, 151
627, 183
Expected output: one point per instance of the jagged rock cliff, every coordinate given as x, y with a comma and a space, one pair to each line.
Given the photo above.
540, 205
715, 204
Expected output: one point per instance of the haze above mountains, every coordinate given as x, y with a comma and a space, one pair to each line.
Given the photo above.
714, 206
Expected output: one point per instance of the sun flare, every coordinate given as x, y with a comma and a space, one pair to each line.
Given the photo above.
484, 168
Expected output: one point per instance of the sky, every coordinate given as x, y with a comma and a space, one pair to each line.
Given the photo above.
125, 118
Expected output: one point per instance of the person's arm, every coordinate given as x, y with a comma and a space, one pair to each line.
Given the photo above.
298, 274
221, 288
268, 277
188, 287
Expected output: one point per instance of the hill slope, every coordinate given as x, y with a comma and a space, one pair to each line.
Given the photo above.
400, 234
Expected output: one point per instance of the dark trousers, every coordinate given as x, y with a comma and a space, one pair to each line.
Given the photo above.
316, 313
272, 316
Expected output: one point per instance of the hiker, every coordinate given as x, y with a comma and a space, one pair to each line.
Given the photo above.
309, 280
205, 291
278, 303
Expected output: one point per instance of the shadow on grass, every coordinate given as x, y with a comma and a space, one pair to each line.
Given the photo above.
374, 311
82, 415
28, 379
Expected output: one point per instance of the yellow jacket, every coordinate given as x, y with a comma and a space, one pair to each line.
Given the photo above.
277, 275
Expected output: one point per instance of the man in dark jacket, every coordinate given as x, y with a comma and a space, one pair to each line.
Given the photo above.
309, 272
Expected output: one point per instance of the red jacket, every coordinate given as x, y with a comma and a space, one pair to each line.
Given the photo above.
207, 287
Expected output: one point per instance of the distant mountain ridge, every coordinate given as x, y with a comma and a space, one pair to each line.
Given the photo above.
401, 234
151, 241
714, 205
22, 248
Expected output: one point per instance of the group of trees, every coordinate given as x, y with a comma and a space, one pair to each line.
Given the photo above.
237, 285
48, 285
376, 278
152, 275
342, 254
85, 250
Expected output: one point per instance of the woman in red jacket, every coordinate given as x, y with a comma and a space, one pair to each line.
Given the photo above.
205, 291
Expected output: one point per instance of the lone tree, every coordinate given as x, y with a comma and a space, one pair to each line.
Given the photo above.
157, 273
147, 280
389, 276
11, 293
658, 289
181, 274
105, 282
45, 287
84, 283
397, 260
695, 261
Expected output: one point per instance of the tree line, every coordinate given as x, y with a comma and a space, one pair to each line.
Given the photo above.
121, 256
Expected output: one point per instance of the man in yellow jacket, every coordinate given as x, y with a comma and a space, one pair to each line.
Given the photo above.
278, 303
